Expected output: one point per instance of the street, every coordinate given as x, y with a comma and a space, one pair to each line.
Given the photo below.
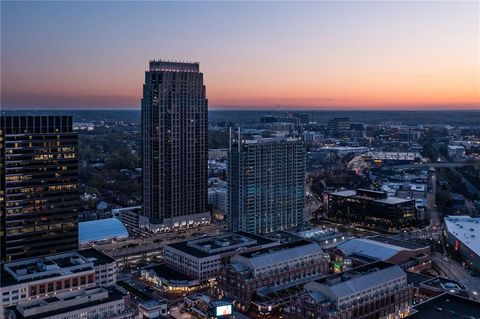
449, 268
175, 312
431, 205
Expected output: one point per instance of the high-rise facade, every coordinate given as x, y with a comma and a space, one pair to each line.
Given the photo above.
39, 197
174, 142
266, 184
338, 127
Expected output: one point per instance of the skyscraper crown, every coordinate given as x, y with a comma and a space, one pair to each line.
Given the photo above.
174, 66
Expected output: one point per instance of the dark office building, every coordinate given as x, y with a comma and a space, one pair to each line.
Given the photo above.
39, 197
266, 184
371, 208
303, 117
175, 153
338, 127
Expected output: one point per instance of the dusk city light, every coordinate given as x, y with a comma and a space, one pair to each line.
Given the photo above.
239, 159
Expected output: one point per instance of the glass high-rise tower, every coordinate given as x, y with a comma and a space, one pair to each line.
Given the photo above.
39, 197
174, 146
266, 184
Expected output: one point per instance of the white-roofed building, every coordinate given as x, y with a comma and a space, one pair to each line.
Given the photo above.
456, 151
379, 248
463, 233
270, 267
101, 230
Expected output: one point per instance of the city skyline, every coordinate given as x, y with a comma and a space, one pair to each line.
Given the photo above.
323, 55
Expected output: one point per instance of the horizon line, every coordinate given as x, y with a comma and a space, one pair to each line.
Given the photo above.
131, 108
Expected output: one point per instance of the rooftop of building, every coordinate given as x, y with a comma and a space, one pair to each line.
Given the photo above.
466, 229
377, 196
437, 283
326, 234
375, 249
405, 156
357, 279
416, 278
391, 200
269, 140
101, 229
278, 248
444, 283
456, 147
345, 193
286, 289
113, 295
276, 254
168, 273
151, 304
446, 306
214, 245
51, 266
173, 66
397, 242
344, 148
95, 256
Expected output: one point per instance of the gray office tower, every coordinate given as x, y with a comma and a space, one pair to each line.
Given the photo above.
266, 184
39, 196
174, 147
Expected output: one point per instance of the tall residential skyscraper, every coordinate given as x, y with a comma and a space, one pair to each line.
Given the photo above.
39, 197
266, 184
175, 153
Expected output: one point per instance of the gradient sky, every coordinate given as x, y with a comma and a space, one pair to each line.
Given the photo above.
390, 55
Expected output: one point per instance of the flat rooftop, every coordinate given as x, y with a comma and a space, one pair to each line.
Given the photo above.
466, 229
354, 272
361, 278
267, 140
214, 245
271, 250
113, 295
344, 148
95, 256
416, 278
376, 248
393, 200
372, 195
345, 193
399, 156
276, 254
43, 267
166, 272
444, 283
397, 242
446, 306
51, 266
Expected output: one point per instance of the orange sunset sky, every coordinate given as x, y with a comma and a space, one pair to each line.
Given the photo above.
305, 55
